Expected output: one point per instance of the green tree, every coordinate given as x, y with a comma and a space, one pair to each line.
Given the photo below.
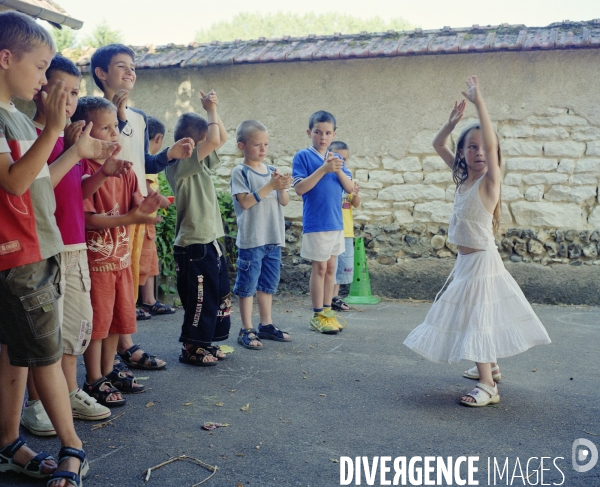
63, 38
103, 35
252, 26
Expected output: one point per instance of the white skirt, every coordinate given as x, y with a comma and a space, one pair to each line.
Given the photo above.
481, 316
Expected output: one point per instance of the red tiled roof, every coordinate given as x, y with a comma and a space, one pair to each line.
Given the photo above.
563, 35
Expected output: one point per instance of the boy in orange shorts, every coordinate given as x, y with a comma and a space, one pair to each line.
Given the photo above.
108, 213
149, 257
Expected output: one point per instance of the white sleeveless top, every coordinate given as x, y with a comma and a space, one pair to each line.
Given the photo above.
470, 223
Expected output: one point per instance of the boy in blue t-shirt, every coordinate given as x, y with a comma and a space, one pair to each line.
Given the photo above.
320, 177
259, 194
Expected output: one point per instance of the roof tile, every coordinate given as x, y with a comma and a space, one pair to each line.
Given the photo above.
562, 35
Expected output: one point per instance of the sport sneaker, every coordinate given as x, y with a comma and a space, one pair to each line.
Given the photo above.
36, 420
87, 408
334, 316
323, 322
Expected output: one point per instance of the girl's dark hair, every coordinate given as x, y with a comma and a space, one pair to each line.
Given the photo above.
460, 170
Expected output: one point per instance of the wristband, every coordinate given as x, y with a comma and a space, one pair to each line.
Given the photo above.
212, 123
255, 194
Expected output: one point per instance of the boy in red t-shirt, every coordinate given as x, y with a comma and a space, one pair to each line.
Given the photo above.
109, 211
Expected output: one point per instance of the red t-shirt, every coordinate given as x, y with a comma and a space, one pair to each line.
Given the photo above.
108, 248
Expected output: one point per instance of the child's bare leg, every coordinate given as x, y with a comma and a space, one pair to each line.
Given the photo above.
12, 393
485, 377
336, 290
148, 291
265, 307
93, 365
126, 342
69, 367
109, 349
54, 393
317, 283
245, 305
329, 281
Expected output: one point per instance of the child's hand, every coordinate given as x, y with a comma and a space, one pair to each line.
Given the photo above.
90, 148
280, 181
356, 189
333, 163
472, 94
143, 212
120, 101
72, 133
209, 100
457, 113
182, 149
55, 106
114, 167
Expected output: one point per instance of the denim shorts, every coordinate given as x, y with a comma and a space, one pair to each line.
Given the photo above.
258, 269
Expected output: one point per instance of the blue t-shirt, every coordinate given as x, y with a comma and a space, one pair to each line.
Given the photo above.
322, 211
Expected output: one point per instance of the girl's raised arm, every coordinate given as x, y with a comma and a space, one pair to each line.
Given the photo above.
440, 141
490, 140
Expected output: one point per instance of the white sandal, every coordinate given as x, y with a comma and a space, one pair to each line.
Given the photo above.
474, 373
491, 396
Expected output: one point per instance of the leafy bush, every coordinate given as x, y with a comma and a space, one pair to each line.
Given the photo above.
165, 235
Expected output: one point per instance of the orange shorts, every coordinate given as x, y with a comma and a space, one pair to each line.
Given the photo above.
149, 256
113, 303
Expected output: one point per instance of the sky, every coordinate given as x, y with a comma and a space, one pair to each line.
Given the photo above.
161, 22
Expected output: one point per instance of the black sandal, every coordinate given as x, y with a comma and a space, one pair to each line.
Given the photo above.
125, 382
94, 390
71, 477
214, 351
195, 356
33, 468
143, 362
337, 304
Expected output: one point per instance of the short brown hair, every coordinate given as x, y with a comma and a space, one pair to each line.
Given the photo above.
247, 128
20, 34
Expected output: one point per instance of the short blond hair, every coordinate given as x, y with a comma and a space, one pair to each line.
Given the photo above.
247, 128
20, 34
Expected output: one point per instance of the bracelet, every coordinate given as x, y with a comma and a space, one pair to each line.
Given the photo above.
212, 123
255, 194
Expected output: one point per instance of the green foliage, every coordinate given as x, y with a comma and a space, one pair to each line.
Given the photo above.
103, 35
63, 38
165, 235
229, 225
253, 25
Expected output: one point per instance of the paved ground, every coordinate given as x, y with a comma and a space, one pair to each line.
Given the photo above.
360, 393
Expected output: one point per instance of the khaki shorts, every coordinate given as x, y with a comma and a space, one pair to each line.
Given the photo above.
76, 303
30, 313
320, 246
113, 303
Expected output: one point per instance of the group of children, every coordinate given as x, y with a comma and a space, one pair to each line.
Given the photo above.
76, 243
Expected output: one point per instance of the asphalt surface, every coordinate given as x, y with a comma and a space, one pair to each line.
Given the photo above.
357, 394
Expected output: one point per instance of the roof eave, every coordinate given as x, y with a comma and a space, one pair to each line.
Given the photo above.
42, 13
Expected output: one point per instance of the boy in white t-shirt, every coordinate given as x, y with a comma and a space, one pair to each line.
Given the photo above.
259, 192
